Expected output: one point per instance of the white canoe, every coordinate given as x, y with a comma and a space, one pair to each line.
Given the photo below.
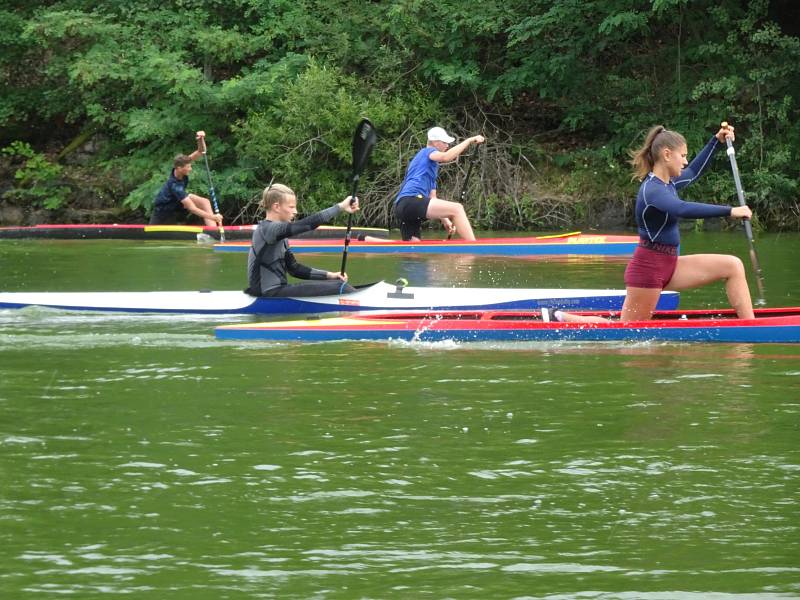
377, 296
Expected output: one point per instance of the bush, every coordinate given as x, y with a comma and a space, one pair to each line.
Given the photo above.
38, 181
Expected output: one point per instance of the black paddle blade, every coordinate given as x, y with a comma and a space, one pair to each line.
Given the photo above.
364, 140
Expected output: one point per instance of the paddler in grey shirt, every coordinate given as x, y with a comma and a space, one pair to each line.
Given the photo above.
270, 257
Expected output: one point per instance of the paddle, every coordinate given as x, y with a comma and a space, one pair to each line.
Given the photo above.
558, 235
463, 194
364, 140
748, 228
211, 191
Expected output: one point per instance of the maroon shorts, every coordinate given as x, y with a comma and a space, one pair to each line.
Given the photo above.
651, 267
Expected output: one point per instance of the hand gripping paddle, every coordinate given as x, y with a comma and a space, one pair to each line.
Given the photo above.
211, 191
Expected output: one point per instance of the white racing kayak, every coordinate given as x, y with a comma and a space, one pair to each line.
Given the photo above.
378, 296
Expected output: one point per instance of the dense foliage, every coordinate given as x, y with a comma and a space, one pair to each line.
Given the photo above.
98, 96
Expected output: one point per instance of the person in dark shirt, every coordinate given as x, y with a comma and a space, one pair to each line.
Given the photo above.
270, 258
417, 199
662, 167
173, 194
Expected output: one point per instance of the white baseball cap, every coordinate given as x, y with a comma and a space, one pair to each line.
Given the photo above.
437, 134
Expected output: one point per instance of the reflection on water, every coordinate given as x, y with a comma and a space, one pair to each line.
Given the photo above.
469, 270
421, 271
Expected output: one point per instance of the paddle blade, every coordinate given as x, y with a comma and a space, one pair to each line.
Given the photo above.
364, 140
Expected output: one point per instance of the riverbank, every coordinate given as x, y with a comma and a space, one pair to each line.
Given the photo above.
562, 190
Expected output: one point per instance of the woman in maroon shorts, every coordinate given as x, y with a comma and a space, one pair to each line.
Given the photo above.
662, 166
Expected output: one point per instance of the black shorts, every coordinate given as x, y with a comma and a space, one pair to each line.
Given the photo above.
163, 217
411, 211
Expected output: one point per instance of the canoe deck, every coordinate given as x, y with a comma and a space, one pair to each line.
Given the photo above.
780, 325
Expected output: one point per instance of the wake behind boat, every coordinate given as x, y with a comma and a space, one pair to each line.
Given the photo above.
572, 243
780, 325
378, 296
114, 231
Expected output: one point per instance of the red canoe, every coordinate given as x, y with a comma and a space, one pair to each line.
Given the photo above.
113, 231
780, 325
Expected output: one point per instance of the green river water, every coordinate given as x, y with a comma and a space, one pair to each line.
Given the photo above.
140, 457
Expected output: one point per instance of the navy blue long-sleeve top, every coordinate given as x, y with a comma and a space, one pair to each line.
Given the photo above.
658, 206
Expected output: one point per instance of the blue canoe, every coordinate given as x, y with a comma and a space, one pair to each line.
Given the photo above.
571, 243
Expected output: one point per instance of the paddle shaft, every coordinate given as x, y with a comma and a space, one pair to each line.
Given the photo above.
463, 194
364, 139
211, 191
748, 227
349, 231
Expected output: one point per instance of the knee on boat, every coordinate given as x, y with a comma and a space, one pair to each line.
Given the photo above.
459, 211
735, 267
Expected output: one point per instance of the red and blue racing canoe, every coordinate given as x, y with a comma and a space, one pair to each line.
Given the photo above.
779, 325
571, 243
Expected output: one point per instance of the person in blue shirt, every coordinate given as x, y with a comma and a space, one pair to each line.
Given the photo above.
173, 194
417, 199
662, 167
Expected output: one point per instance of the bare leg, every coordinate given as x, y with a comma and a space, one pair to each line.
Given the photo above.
441, 209
566, 317
201, 204
205, 204
696, 270
639, 304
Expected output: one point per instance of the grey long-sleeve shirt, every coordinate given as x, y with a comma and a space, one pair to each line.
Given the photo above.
270, 258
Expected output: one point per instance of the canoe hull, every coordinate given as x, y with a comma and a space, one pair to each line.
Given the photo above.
379, 296
770, 326
600, 245
164, 232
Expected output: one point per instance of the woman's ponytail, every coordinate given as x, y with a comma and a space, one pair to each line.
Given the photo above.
658, 138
